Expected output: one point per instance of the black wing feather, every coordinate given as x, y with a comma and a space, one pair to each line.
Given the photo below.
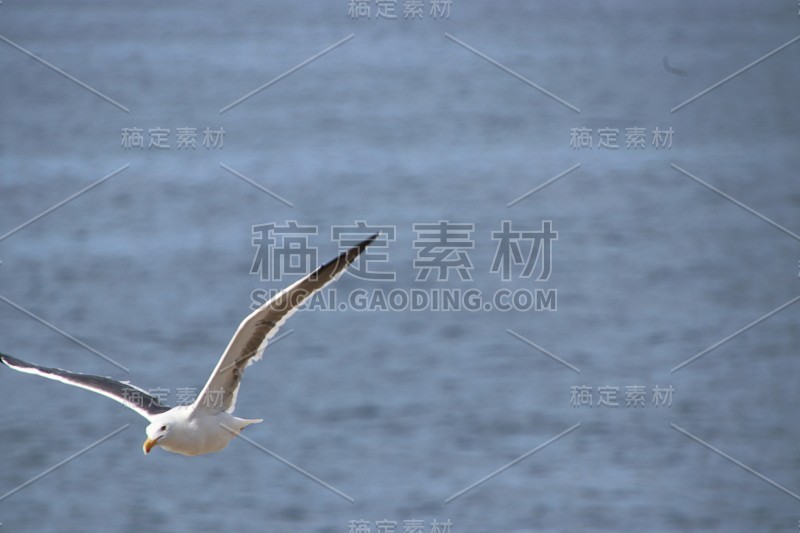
124, 393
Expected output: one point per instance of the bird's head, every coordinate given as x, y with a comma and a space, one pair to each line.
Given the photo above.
156, 432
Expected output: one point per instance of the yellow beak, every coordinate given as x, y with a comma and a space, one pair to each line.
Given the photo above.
148, 445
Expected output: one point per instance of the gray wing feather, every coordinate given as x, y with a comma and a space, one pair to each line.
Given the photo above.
250, 339
119, 391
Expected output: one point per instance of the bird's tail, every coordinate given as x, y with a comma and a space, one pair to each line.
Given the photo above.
244, 422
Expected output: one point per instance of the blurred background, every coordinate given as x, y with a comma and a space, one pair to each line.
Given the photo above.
399, 125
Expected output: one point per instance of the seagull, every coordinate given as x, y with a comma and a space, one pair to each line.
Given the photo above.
208, 424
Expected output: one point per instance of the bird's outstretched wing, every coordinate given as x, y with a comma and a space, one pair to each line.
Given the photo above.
250, 339
119, 391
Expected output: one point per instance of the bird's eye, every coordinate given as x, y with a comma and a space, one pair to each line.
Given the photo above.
163, 428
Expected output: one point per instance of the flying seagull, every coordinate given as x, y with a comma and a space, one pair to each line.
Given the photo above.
207, 425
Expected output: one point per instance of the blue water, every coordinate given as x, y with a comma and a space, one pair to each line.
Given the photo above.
402, 125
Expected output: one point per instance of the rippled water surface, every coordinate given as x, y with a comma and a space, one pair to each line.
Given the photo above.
399, 125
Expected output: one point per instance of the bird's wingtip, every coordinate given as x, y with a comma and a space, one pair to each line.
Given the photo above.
366, 242
371, 239
11, 362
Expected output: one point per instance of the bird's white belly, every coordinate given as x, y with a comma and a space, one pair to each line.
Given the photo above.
205, 434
